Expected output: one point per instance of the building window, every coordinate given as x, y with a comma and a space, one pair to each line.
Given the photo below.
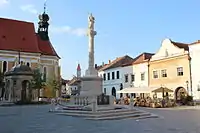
44, 74
180, 71
113, 75
28, 64
164, 73
108, 76
114, 92
142, 76
104, 91
14, 82
155, 74
5, 66
117, 74
126, 78
132, 77
104, 76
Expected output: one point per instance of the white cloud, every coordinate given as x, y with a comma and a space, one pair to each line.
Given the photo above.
68, 30
4, 2
29, 8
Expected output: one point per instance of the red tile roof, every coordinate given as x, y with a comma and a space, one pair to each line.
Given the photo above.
74, 81
18, 35
181, 45
196, 42
46, 47
144, 57
119, 62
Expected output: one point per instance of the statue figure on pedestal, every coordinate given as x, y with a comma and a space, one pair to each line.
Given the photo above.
91, 20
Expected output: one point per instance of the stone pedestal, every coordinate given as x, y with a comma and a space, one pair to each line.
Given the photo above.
91, 86
91, 72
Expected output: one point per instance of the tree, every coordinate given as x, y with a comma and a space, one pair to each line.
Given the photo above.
37, 83
54, 85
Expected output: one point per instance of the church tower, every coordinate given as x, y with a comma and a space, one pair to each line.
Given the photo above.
78, 71
43, 25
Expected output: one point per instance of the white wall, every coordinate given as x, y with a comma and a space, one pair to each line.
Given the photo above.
195, 66
109, 84
137, 70
167, 49
127, 70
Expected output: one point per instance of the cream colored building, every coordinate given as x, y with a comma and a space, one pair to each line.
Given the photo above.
170, 67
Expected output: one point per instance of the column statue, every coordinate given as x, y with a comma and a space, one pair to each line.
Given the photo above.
91, 33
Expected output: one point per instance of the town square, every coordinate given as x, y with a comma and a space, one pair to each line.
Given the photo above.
102, 77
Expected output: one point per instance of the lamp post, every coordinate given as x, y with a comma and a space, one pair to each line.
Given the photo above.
187, 86
198, 88
131, 85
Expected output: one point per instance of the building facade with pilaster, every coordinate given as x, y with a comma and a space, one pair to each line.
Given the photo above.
35, 48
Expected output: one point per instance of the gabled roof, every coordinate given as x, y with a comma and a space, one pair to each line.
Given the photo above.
181, 45
144, 57
119, 62
196, 42
18, 35
74, 81
98, 68
65, 81
46, 47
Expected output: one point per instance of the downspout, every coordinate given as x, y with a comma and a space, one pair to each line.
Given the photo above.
148, 73
190, 70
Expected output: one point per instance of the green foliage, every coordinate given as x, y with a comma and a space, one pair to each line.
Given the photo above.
189, 98
37, 82
54, 85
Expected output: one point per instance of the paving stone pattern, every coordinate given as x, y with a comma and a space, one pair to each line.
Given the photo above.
37, 119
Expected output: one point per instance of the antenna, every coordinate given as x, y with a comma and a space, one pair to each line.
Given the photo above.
45, 4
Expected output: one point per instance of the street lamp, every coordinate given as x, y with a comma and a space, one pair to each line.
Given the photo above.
198, 88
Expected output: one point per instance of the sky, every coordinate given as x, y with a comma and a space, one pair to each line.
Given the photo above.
128, 27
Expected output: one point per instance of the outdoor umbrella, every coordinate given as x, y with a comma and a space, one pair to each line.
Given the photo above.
162, 89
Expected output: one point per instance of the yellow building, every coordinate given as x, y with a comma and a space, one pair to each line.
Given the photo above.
18, 39
170, 67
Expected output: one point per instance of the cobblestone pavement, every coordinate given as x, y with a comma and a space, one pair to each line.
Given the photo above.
37, 119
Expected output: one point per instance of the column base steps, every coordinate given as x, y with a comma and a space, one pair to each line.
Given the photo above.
108, 115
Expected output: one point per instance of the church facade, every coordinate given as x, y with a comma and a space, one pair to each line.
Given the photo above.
35, 49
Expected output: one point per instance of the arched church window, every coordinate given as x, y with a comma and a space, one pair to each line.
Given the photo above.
44, 73
5, 66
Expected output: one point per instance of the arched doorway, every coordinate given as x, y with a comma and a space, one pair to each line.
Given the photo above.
114, 91
25, 88
121, 87
180, 92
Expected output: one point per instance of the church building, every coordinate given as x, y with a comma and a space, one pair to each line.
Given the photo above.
35, 48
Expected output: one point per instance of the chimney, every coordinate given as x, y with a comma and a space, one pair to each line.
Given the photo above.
95, 66
109, 61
